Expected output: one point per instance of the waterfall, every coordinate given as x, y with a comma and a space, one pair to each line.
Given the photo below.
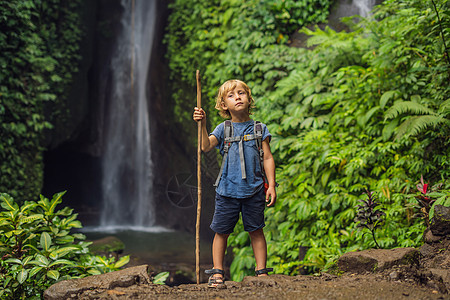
126, 164
347, 8
364, 6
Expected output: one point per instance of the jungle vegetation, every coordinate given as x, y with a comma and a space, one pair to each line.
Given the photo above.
39, 54
39, 46
350, 111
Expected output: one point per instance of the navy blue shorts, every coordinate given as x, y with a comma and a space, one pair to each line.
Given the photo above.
226, 213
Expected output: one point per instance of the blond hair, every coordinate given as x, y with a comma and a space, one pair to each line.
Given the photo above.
227, 86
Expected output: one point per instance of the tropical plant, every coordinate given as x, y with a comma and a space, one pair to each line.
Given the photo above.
368, 216
38, 249
427, 197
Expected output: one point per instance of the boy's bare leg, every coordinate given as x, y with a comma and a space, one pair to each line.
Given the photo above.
218, 251
259, 246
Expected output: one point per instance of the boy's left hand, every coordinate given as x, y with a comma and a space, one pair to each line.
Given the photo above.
271, 195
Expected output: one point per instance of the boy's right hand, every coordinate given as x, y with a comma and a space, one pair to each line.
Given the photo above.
199, 115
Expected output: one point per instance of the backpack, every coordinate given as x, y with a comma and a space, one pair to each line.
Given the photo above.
230, 138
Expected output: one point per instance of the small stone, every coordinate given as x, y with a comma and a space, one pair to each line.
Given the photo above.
394, 275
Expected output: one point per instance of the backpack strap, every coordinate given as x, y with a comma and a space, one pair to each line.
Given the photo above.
258, 136
258, 132
228, 135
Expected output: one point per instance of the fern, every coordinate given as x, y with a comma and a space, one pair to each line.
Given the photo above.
416, 124
401, 107
444, 108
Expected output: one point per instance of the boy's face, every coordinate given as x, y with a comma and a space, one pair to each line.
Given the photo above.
236, 101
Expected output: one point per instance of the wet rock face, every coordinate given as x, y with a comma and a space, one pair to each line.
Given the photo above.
440, 223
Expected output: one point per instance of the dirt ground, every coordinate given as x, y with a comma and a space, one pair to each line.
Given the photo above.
347, 286
410, 281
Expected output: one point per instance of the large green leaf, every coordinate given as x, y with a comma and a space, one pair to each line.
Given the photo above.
26, 260
122, 261
14, 232
31, 218
41, 260
22, 276
28, 207
64, 239
54, 274
14, 261
61, 262
8, 202
35, 270
46, 241
61, 252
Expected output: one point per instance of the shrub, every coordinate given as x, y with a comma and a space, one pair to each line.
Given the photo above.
37, 248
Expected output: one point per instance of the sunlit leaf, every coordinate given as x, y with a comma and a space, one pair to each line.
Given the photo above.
54, 274
122, 261
46, 241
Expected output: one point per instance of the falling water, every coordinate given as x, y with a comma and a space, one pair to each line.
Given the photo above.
127, 166
364, 6
347, 8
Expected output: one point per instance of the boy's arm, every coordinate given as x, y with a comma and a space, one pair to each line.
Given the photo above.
269, 168
208, 142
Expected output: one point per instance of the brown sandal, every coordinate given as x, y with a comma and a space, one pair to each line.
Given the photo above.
216, 281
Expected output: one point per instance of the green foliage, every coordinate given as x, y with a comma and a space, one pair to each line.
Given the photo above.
37, 248
333, 134
232, 39
361, 108
39, 55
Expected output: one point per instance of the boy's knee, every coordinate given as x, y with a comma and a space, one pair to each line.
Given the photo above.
256, 233
222, 235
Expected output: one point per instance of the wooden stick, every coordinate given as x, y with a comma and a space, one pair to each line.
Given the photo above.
199, 182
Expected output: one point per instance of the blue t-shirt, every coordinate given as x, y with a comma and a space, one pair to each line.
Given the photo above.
231, 183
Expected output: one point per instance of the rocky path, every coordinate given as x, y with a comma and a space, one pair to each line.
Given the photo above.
402, 273
326, 286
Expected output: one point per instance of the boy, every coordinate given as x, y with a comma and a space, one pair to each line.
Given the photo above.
240, 186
